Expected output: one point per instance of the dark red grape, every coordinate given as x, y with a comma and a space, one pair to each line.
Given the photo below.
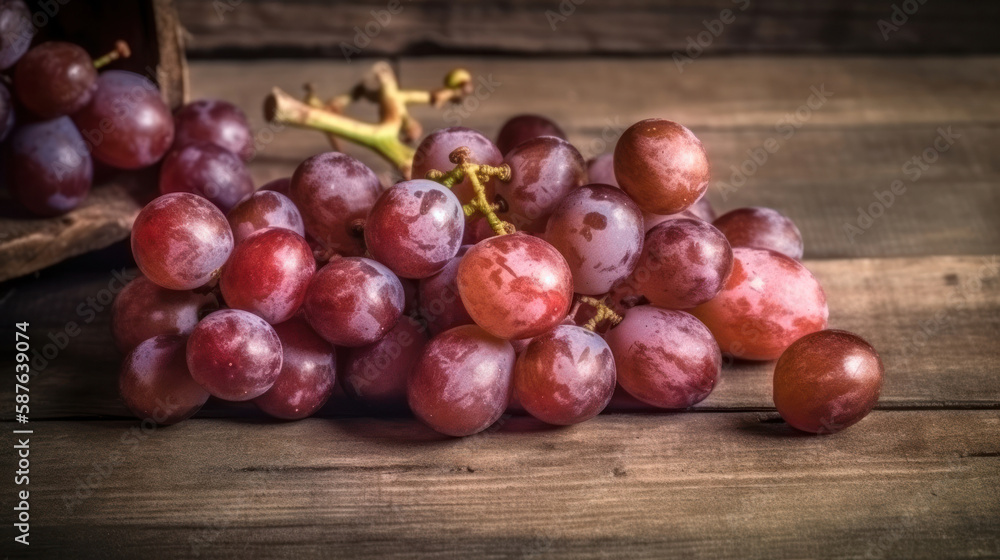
376, 374
565, 376
477, 228
126, 124
264, 209
601, 169
50, 171
662, 166
684, 263
522, 128
268, 274
217, 122
281, 185
206, 170
308, 373
7, 112
180, 241
440, 304
354, 301
462, 382
16, 31
334, 193
761, 228
769, 301
55, 79
543, 171
827, 381
515, 286
155, 382
665, 358
415, 227
434, 151
234, 355
143, 310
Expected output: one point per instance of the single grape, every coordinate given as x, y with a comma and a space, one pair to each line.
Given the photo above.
234, 355
440, 304
16, 31
376, 374
180, 241
761, 228
415, 227
661, 165
55, 79
7, 113
769, 301
600, 231
665, 358
354, 301
155, 382
434, 151
522, 128
515, 286
126, 124
565, 376
462, 382
264, 209
50, 171
308, 373
143, 310
281, 185
601, 169
684, 263
217, 122
543, 171
827, 381
209, 171
268, 274
334, 193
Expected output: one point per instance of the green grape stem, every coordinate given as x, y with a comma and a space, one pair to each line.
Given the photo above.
604, 313
478, 175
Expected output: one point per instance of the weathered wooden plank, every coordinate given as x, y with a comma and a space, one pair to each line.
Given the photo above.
901, 484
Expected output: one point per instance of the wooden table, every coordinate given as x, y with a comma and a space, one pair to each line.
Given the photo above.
919, 478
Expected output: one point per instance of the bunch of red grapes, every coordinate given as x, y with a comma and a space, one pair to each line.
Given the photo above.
619, 275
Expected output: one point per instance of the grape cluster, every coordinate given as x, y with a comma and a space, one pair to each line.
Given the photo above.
507, 275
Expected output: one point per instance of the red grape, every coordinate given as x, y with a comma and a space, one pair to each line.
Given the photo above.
334, 193
665, 358
684, 263
434, 151
16, 31
155, 382
515, 286
701, 210
354, 301
827, 381
217, 122
180, 241
268, 274
415, 227
661, 165
308, 373
601, 169
565, 376
206, 170
143, 310
769, 301
234, 355
264, 209
440, 304
477, 228
50, 171
376, 374
543, 171
522, 128
761, 228
55, 79
461, 384
281, 185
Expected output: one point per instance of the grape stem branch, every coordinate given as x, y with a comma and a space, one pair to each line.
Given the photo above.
478, 175
604, 313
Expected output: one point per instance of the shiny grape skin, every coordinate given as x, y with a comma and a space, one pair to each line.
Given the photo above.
334, 192
434, 151
827, 381
462, 382
268, 274
600, 232
16, 31
415, 228
180, 241
55, 79
234, 355
761, 228
565, 376
264, 209
126, 124
440, 304
662, 166
684, 263
515, 286
7, 116
155, 383
217, 122
665, 358
209, 171
769, 301
50, 170
354, 301
375, 375
543, 171
601, 169
143, 310
308, 373
521, 128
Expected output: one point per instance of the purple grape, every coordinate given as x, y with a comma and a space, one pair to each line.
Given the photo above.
217, 122
522, 128
16, 31
209, 171
440, 304
434, 151
50, 171
281, 185
264, 209
376, 374
155, 382
601, 169
308, 373
234, 355
543, 171
143, 310
354, 301
268, 274
761, 228
55, 79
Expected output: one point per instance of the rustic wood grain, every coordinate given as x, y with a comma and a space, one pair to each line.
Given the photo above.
903, 484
